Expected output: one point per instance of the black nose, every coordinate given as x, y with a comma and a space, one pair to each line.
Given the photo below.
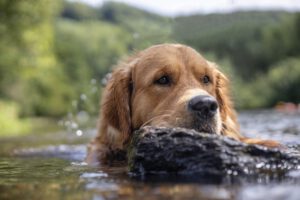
204, 105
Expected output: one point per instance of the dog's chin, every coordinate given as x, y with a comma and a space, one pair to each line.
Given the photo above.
204, 126
198, 124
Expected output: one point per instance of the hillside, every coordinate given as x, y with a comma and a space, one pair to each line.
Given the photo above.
246, 44
239, 36
76, 45
203, 26
145, 28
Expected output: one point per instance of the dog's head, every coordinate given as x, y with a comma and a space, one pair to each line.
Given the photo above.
166, 85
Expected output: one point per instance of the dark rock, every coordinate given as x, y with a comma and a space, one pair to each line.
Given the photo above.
183, 151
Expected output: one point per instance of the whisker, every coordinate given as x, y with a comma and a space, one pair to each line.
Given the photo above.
150, 120
177, 119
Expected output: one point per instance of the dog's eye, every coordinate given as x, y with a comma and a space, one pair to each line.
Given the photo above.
205, 79
164, 80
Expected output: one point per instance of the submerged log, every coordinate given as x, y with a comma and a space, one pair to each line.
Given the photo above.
183, 151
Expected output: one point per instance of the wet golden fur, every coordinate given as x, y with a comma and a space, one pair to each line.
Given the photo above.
132, 99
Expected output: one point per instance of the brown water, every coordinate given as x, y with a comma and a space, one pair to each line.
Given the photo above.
49, 166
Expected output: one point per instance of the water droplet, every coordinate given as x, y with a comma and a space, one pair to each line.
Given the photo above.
82, 117
79, 163
260, 165
67, 123
136, 35
79, 132
279, 166
83, 97
93, 81
93, 175
295, 174
73, 125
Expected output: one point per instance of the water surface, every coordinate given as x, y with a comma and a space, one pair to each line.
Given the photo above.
50, 166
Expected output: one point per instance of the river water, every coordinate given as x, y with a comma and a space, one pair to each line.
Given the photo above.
50, 166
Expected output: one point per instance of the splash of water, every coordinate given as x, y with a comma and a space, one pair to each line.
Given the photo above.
82, 110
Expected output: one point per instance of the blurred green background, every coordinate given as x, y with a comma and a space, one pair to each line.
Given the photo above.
54, 54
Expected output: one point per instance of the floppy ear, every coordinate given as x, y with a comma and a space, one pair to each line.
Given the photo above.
115, 120
115, 117
230, 126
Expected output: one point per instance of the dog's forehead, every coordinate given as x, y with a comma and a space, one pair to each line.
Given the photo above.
170, 55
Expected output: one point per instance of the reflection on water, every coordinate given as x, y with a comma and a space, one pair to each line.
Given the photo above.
280, 126
50, 167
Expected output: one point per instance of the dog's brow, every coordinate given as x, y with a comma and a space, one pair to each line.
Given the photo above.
158, 70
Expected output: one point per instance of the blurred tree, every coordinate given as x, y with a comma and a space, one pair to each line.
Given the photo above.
237, 36
87, 51
55, 52
108, 13
26, 39
146, 28
78, 11
282, 40
284, 80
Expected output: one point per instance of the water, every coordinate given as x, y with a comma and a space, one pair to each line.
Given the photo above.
49, 166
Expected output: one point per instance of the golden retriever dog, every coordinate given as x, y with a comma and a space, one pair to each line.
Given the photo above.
167, 85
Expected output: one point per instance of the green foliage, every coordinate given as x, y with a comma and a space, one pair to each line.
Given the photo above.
146, 28
281, 83
10, 123
86, 52
25, 40
284, 80
46, 92
26, 52
282, 40
122, 13
78, 11
54, 54
89, 49
259, 45
237, 36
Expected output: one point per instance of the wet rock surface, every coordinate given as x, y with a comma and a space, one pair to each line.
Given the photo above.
187, 152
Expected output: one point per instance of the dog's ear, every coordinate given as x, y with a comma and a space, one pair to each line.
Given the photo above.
114, 126
230, 125
115, 119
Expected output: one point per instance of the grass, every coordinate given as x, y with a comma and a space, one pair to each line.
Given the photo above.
12, 125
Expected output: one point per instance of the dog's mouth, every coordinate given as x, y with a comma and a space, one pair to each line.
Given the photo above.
205, 127
206, 123
196, 121
202, 123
